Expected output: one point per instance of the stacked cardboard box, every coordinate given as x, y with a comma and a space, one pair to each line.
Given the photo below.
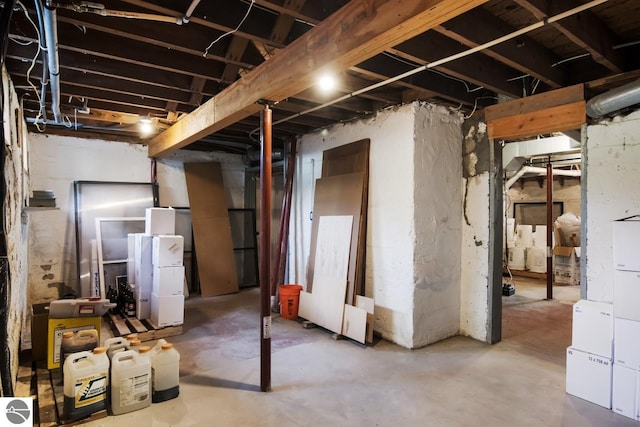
566, 252
589, 359
158, 276
626, 309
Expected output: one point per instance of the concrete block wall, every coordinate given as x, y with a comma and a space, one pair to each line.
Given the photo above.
611, 168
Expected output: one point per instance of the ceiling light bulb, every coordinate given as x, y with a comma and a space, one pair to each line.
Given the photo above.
146, 127
327, 82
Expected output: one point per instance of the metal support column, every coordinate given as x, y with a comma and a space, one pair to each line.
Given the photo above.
264, 251
549, 230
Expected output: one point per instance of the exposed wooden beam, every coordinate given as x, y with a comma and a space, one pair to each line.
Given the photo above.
554, 98
197, 86
234, 53
477, 69
523, 53
555, 111
586, 30
363, 27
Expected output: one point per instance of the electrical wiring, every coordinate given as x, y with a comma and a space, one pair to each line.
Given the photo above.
33, 64
206, 51
475, 104
21, 43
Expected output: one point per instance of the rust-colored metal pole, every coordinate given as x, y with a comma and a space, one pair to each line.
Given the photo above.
265, 242
549, 230
280, 261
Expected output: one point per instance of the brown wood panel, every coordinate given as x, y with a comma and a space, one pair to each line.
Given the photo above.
554, 119
337, 195
211, 229
533, 103
348, 159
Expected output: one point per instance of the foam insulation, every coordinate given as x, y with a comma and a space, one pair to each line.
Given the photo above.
17, 180
611, 166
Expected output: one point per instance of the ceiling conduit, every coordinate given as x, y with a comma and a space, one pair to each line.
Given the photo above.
51, 36
539, 171
614, 100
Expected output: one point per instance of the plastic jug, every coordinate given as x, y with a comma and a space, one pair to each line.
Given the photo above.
86, 377
115, 345
165, 373
135, 345
74, 342
130, 382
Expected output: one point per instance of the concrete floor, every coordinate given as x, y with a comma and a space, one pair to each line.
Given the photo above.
318, 381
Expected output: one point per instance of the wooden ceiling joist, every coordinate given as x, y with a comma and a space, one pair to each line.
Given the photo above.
364, 29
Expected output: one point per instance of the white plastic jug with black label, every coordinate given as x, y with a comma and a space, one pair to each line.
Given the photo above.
86, 377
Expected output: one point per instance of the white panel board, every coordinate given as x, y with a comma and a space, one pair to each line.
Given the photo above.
354, 323
333, 246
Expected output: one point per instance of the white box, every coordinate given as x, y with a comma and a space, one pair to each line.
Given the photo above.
626, 294
627, 343
160, 221
143, 305
131, 264
589, 377
624, 396
143, 277
167, 311
593, 327
168, 251
626, 233
168, 281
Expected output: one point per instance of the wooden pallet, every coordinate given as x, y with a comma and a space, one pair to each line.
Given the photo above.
123, 326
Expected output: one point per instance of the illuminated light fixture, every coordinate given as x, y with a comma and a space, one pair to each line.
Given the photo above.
146, 126
327, 83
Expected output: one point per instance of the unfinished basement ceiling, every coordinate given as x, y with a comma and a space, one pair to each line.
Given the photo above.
115, 70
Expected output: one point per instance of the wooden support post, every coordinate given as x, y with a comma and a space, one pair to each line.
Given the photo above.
265, 243
549, 230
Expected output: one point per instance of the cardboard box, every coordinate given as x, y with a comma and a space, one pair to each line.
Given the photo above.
39, 329
589, 377
168, 251
143, 255
168, 281
56, 327
167, 311
626, 294
143, 304
627, 343
131, 264
624, 395
566, 265
593, 327
160, 221
626, 233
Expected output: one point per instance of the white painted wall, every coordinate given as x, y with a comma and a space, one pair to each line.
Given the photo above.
414, 216
475, 258
390, 233
437, 223
612, 163
569, 194
57, 161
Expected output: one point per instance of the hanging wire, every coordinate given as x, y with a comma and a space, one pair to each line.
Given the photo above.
33, 64
206, 51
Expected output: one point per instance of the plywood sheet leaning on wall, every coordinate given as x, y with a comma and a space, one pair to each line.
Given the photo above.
337, 195
348, 159
211, 229
325, 306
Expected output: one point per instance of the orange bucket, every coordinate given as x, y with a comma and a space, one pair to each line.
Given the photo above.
289, 300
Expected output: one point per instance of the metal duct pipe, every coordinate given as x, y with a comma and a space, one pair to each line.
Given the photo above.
614, 100
45, 69
540, 171
51, 35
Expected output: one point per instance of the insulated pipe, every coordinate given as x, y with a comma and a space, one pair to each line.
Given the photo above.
264, 249
190, 10
45, 69
532, 169
614, 100
51, 36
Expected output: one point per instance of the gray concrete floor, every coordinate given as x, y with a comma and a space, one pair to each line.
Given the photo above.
318, 381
